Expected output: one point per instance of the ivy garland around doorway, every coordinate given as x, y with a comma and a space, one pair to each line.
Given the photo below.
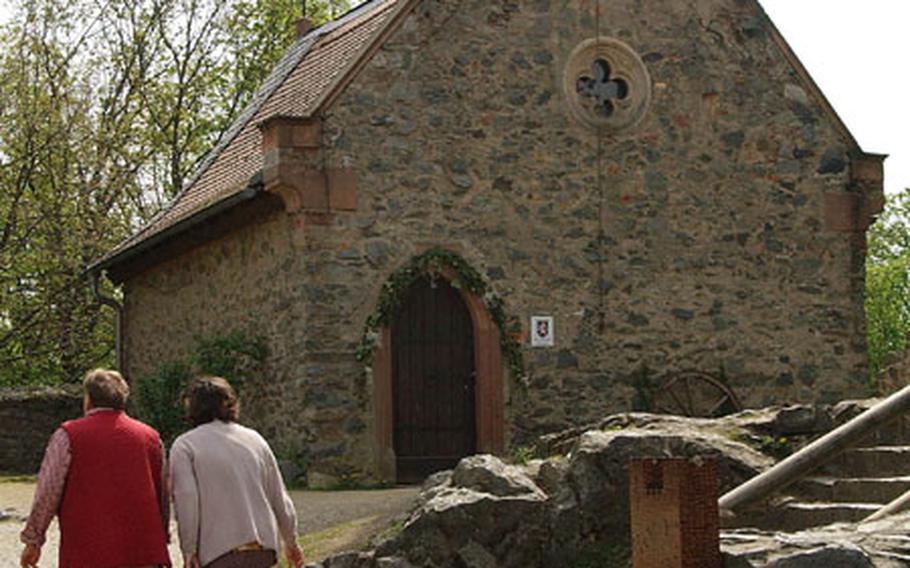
433, 262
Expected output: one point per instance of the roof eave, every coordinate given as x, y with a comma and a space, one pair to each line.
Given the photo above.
251, 191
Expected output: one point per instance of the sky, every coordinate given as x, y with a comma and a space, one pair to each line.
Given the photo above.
857, 53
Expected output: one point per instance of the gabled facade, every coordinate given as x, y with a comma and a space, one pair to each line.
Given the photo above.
419, 179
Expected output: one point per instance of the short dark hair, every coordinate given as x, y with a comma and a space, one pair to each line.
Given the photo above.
106, 389
211, 398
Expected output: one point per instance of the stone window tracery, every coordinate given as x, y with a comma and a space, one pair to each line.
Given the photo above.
607, 84
602, 88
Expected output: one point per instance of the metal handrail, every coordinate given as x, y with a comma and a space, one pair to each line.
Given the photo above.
895, 506
817, 453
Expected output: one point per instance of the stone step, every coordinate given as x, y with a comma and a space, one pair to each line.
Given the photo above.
896, 433
798, 515
851, 490
872, 461
794, 515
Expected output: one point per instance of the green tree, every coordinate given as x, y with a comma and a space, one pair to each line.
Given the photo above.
260, 32
60, 160
888, 282
106, 110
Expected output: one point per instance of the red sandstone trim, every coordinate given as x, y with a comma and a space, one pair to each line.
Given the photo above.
489, 394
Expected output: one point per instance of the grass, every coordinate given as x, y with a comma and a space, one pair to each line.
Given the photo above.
18, 478
390, 531
352, 535
522, 455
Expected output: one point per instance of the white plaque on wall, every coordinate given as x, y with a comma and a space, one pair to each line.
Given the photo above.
542, 332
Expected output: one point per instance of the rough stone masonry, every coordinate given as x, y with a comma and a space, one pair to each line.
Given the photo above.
660, 176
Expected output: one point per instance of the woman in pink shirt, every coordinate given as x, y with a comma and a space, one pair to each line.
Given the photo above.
231, 505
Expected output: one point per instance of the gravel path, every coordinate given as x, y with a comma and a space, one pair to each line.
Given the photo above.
317, 510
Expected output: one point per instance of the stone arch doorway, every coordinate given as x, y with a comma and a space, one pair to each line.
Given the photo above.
470, 343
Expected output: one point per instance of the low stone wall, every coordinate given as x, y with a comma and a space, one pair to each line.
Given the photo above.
28, 417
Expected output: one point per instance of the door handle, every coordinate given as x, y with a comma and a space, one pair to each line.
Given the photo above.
472, 380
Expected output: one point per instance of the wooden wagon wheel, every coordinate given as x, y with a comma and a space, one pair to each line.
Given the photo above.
695, 394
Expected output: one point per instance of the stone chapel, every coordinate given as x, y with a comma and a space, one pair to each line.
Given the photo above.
459, 224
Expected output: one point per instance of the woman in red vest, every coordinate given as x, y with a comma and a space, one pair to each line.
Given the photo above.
103, 476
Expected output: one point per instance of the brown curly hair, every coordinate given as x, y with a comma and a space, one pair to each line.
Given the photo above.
211, 398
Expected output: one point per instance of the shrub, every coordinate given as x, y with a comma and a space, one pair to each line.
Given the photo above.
888, 283
159, 399
237, 356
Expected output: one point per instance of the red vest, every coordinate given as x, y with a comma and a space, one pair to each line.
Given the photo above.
110, 514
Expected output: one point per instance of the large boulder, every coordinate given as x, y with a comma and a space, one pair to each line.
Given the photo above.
796, 424
594, 497
489, 474
349, 560
361, 560
489, 514
483, 514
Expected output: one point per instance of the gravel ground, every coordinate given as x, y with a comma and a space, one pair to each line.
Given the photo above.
316, 510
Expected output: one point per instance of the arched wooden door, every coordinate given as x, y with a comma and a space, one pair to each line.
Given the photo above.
433, 380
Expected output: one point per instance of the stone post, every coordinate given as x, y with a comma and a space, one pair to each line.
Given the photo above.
674, 515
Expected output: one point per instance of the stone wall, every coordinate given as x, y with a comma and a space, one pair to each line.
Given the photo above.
252, 281
256, 280
28, 417
697, 239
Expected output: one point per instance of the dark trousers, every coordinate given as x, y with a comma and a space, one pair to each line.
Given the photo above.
245, 559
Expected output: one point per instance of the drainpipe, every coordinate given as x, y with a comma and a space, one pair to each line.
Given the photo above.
118, 317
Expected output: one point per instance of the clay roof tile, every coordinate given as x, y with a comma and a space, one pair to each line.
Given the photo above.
294, 86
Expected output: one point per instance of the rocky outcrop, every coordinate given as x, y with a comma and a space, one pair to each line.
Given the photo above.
486, 513
776, 430
573, 505
881, 544
483, 513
